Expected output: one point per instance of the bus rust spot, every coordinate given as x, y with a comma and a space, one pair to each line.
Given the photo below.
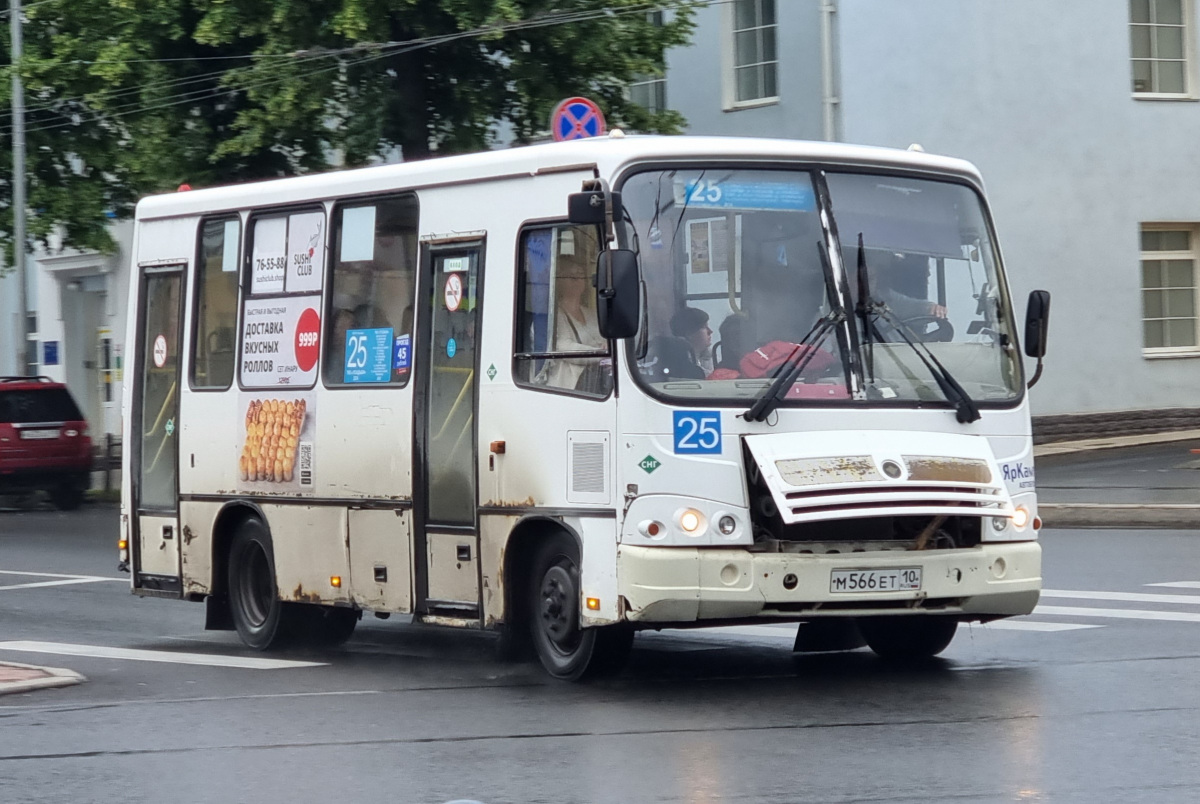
525, 503
300, 596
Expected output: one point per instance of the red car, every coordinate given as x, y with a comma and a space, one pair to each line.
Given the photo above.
44, 445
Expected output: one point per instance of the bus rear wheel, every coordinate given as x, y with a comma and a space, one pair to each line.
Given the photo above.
567, 650
263, 621
908, 638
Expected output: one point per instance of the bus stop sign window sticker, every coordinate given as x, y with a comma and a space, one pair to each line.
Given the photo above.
369, 355
697, 432
576, 119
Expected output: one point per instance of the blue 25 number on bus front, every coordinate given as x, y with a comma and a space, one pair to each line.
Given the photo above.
697, 432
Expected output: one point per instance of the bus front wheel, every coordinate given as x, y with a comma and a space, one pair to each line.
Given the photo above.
262, 620
908, 638
567, 650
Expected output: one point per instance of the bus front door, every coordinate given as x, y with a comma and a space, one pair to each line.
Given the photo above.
156, 423
446, 532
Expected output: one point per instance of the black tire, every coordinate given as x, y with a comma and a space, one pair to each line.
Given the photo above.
329, 626
566, 650
67, 497
262, 620
910, 638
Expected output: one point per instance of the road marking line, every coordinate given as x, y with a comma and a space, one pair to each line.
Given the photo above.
1124, 597
69, 582
169, 657
1032, 625
1121, 614
1178, 584
60, 575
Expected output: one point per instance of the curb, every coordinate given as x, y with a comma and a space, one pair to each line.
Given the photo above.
1114, 442
1183, 516
37, 678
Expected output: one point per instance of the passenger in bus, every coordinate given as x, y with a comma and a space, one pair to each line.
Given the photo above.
691, 324
735, 342
575, 327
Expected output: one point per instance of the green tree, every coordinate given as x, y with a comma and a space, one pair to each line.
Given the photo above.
127, 97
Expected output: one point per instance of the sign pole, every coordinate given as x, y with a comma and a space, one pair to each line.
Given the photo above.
18, 179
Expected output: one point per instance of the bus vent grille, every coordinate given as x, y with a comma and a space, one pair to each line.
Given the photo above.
587, 469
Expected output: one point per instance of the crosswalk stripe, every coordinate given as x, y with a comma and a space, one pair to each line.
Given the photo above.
169, 657
1124, 597
1121, 614
1178, 584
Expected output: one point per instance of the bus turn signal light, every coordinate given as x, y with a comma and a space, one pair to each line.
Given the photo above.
593, 604
122, 544
335, 581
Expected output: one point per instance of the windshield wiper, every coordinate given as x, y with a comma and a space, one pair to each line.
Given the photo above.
793, 367
863, 309
965, 409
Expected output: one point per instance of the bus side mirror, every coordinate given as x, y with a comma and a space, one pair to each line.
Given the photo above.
618, 293
1037, 323
590, 207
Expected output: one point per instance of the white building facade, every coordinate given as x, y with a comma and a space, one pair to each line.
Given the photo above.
78, 304
1083, 115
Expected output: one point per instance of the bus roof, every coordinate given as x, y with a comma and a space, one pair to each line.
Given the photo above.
607, 154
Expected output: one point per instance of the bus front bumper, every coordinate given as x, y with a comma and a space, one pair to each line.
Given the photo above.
682, 585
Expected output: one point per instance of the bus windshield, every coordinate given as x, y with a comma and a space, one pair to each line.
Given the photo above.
742, 287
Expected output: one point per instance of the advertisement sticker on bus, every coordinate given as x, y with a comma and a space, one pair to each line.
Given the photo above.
276, 451
305, 252
269, 261
280, 342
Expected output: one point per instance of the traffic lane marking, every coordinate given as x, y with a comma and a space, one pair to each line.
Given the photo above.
61, 575
167, 657
70, 582
60, 579
1124, 597
1031, 625
1178, 584
1120, 614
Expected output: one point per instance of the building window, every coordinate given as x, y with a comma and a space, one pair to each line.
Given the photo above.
754, 60
1158, 32
1169, 289
647, 90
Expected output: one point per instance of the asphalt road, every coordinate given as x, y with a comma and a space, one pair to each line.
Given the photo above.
1093, 698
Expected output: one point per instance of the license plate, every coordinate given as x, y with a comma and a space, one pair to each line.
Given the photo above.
38, 435
902, 579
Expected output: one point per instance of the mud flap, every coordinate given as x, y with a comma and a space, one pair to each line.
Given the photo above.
820, 636
217, 616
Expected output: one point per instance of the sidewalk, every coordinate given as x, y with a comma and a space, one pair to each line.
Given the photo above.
1147, 481
27, 677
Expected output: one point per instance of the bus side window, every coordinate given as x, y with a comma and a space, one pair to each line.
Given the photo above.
374, 269
214, 333
557, 313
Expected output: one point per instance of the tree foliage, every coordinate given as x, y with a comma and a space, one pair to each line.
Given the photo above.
127, 97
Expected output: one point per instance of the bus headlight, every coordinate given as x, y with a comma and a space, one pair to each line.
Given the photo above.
1020, 517
727, 525
691, 521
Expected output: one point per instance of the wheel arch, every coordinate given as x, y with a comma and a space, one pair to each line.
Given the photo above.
523, 540
231, 515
